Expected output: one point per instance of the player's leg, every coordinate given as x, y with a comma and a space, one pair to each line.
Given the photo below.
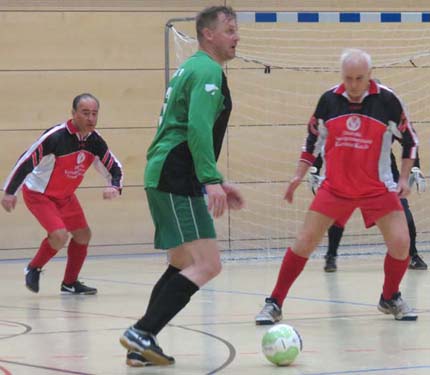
295, 258
183, 225
77, 250
48, 215
416, 262
387, 213
335, 234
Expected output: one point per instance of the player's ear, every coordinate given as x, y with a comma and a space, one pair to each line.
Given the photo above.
207, 33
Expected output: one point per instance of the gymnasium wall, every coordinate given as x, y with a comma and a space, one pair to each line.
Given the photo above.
54, 50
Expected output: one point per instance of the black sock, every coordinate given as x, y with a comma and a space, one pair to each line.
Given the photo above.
170, 271
334, 236
172, 298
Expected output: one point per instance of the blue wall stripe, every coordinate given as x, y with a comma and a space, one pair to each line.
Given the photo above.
335, 17
349, 17
391, 17
307, 17
265, 17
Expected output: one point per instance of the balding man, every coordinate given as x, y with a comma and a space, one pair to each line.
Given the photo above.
353, 128
49, 172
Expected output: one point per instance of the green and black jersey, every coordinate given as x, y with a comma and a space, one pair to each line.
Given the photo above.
182, 158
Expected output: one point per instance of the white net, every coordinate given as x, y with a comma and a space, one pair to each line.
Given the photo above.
281, 71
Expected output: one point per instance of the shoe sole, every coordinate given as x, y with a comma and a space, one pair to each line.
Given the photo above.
329, 270
267, 322
78, 294
31, 290
137, 363
148, 354
264, 323
406, 318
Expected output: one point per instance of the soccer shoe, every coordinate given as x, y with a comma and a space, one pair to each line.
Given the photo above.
397, 307
417, 263
330, 264
146, 344
77, 288
32, 276
135, 359
270, 314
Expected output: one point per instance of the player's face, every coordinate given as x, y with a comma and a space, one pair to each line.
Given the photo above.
225, 37
356, 78
85, 116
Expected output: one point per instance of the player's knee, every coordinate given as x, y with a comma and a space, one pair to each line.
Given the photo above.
399, 246
305, 244
211, 269
58, 238
82, 236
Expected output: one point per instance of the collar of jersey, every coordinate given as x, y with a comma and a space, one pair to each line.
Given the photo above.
373, 89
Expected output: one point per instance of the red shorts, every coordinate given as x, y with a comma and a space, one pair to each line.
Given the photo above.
54, 213
340, 209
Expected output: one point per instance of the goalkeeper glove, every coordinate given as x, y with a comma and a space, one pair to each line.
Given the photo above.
417, 178
314, 180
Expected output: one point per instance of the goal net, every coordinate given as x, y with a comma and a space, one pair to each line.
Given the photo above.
286, 60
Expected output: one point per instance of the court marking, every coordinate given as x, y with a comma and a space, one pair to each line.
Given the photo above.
62, 371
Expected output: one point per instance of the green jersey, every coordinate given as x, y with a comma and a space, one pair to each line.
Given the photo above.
182, 157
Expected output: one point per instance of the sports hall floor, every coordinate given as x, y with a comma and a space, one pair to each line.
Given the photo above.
343, 333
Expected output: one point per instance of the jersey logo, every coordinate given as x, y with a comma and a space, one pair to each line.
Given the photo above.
80, 158
353, 123
211, 88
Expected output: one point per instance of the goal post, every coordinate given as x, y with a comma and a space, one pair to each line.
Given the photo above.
285, 61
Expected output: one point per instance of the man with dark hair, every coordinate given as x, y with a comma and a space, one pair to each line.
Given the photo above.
353, 125
49, 172
181, 166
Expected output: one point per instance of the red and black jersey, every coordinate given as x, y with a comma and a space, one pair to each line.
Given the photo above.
56, 163
355, 140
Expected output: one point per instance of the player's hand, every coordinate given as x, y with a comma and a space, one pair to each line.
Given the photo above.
110, 193
235, 199
292, 186
9, 202
314, 180
217, 199
403, 189
417, 178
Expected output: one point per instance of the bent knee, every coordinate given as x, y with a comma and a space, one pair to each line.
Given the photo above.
211, 270
82, 236
58, 238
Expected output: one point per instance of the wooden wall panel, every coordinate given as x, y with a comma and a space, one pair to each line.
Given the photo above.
53, 50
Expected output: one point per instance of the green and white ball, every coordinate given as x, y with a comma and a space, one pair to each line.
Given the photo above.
282, 344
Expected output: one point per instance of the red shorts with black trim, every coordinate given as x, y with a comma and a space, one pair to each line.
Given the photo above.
54, 213
341, 209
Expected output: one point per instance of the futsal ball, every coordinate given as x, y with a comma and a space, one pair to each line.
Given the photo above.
282, 344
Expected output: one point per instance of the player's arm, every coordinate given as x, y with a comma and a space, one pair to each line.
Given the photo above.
25, 165
311, 149
110, 168
409, 142
205, 104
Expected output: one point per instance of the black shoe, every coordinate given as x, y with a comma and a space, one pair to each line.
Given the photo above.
146, 344
330, 264
32, 276
77, 288
417, 263
135, 359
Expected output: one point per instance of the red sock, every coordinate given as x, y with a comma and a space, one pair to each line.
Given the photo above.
291, 267
43, 255
76, 254
394, 270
